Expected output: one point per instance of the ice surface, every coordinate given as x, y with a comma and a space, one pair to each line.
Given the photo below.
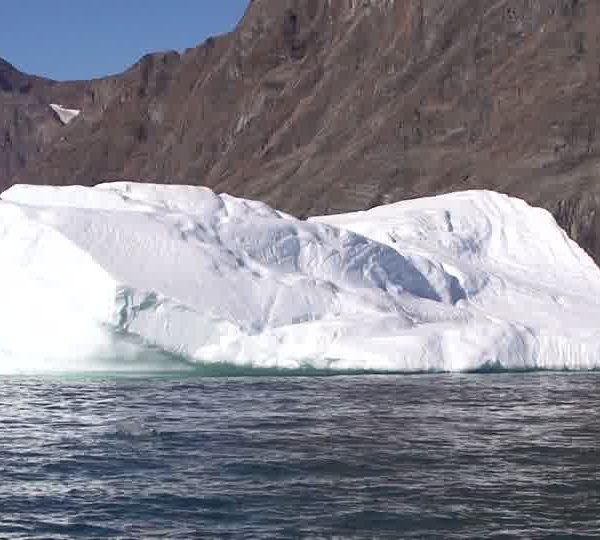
451, 283
65, 115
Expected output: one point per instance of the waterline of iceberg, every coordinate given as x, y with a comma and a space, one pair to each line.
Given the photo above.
131, 276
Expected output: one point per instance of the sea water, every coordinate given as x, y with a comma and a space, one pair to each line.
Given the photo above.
188, 456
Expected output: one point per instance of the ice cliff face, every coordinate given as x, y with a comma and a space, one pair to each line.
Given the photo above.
450, 283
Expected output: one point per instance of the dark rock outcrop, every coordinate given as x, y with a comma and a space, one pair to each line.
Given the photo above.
319, 106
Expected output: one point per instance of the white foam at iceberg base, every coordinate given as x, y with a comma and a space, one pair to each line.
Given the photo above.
449, 283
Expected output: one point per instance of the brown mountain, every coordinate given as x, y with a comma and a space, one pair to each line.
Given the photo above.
319, 106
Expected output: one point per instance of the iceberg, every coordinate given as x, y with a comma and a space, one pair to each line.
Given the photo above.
466, 281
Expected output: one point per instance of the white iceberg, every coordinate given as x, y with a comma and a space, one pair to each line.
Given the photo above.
66, 116
466, 281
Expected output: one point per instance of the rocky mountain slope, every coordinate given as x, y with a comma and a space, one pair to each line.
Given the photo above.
318, 107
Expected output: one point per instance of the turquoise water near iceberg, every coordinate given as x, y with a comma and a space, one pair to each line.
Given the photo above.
356, 456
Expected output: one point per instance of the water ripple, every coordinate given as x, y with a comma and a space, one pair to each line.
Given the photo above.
461, 456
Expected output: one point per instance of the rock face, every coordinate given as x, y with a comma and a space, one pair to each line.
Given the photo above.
319, 107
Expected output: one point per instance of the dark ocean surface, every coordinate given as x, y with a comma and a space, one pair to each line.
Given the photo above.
371, 456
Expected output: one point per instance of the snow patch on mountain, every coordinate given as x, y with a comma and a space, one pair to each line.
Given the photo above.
66, 116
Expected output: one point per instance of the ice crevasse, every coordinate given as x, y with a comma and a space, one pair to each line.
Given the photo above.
456, 282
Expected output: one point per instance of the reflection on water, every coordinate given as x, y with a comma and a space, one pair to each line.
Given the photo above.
354, 456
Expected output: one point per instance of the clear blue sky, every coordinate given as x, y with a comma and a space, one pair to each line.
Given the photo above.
81, 39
